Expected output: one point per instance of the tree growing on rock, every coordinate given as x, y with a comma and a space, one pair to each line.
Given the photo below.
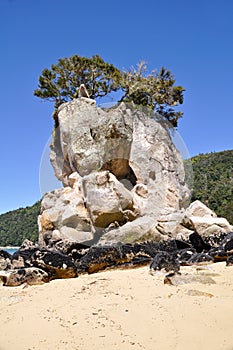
60, 83
155, 90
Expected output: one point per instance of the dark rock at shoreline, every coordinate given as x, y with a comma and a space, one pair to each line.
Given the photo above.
166, 261
70, 259
227, 243
184, 255
22, 257
100, 257
74, 249
29, 275
198, 243
199, 258
217, 254
229, 261
56, 264
214, 240
4, 254
5, 260
169, 254
66, 247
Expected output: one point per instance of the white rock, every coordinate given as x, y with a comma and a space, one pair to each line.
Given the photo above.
75, 235
207, 226
139, 230
197, 208
119, 167
106, 198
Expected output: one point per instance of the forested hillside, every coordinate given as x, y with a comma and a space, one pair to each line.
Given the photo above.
213, 182
16, 225
213, 185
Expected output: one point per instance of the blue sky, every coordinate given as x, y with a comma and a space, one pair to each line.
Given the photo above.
191, 38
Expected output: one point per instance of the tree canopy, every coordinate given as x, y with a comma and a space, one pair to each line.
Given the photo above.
60, 83
156, 90
213, 182
19, 224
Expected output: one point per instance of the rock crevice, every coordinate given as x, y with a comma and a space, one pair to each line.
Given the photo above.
119, 169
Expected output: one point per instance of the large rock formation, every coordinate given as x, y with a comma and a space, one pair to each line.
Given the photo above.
120, 172
124, 202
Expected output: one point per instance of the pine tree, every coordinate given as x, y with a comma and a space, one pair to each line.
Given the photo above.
155, 90
60, 83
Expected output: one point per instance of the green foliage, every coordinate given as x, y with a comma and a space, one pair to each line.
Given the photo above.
213, 182
60, 83
16, 225
155, 90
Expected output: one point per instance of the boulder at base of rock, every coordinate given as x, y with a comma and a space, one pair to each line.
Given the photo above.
64, 216
200, 218
197, 208
5, 260
140, 230
30, 275
207, 226
56, 264
169, 220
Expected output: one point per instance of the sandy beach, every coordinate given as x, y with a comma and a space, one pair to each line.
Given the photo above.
121, 309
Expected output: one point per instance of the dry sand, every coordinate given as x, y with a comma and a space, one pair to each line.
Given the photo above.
121, 309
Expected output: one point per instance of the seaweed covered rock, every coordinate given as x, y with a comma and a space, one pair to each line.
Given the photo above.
200, 258
29, 275
70, 259
23, 257
5, 260
56, 264
165, 261
102, 257
229, 261
227, 244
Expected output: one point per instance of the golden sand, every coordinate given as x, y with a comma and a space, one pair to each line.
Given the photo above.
123, 310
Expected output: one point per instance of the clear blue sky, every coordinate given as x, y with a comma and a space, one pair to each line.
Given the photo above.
194, 39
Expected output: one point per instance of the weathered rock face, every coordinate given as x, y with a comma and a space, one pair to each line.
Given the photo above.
107, 200
123, 140
64, 216
196, 218
120, 170
5, 260
204, 221
29, 275
56, 264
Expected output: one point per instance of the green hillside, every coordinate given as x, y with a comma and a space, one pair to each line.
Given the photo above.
213, 182
16, 225
213, 185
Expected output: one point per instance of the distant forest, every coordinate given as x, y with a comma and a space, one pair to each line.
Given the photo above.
213, 182
213, 185
19, 224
